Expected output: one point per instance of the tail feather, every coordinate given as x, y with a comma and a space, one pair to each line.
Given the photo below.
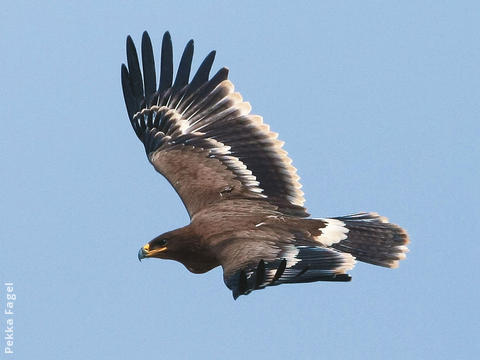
370, 238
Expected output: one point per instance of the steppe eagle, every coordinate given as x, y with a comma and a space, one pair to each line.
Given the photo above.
237, 183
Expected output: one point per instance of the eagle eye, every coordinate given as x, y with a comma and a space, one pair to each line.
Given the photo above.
161, 243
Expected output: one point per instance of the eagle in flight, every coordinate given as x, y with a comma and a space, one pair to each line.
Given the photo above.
237, 184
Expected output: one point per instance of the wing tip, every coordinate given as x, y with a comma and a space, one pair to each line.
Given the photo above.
129, 42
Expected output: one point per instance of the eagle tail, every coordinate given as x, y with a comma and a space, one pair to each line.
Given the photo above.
370, 238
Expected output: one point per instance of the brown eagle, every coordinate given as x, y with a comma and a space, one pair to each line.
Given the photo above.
237, 184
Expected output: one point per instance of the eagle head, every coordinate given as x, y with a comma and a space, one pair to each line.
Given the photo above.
170, 245
154, 248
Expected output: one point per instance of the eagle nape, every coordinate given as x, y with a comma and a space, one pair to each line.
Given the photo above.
238, 185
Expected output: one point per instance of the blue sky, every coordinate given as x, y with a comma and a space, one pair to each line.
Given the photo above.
378, 103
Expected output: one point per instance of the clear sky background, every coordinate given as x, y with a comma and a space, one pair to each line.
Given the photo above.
378, 103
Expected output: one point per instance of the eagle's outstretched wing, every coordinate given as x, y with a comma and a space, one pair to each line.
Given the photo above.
275, 256
200, 136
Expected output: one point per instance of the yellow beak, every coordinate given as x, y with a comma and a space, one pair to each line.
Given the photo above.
145, 252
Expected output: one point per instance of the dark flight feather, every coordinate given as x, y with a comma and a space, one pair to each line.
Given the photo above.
128, 95
184, 68
136, 82
203, 72
149, 76
166, 73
